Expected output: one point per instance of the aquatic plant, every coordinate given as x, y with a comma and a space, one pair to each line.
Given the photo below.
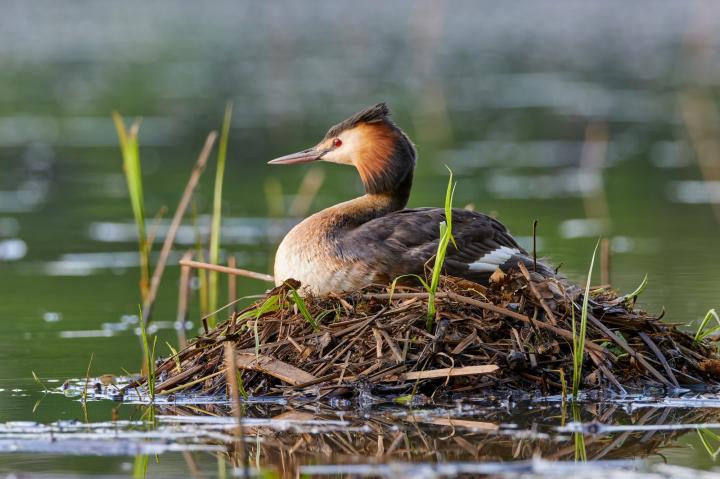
149, 359
174, 355
634, 295
580, 332
580, 450
84, 397
130, 150
300, 303
140, 466
215, 229
706, 437
446, 237
45, 390
701, 332
271, 303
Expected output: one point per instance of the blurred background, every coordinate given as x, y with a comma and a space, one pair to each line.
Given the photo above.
596, 118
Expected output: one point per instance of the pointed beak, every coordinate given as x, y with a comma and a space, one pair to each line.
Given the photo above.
305, 156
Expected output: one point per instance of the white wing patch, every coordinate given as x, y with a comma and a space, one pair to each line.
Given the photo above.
491, 261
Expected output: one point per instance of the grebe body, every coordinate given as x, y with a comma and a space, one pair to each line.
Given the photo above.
373, 239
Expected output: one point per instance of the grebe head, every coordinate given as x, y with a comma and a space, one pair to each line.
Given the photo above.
369, 140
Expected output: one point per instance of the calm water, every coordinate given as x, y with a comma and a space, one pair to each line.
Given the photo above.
582, 116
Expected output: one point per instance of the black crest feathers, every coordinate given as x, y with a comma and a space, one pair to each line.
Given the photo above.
370, 114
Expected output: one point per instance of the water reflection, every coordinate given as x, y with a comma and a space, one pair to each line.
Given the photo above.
336, 438
235, 231
695, 192
26, 198
12, 250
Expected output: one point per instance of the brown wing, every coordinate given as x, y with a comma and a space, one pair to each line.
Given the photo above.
404, 241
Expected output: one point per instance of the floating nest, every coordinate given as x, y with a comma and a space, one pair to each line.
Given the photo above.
515, 335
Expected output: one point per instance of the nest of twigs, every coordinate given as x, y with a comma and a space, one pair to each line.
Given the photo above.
514, 335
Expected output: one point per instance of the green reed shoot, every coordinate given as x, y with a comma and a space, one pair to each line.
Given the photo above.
84, 397
580, 449
140, 466
580, 332
702, 330
445, 238
271, 304
632, 297
302, 307
420, 279
241, 386
175, 356
149, 357
45, 389
39, 382
706, 436
130, 150
578, 437
221, 469
563, 385
215, 229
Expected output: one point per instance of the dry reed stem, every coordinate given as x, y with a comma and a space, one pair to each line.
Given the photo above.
225, 269
630, 351
448, 372
274, 367
605, 261
531, 285
183, 295
232, 283
175, 224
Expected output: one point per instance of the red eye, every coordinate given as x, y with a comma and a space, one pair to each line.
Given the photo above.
337, 142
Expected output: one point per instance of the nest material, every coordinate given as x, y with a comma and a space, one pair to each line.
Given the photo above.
514, 335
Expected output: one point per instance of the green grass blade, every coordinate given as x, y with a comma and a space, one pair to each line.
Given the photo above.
638, 291
213, 288
445, 238
140, 466
149, 358
39, 382
269, 305
129, 147
302, 307
393, 285
703, 333
175, 356
241, 386
706, 435
449, 194
578, 437
579, 336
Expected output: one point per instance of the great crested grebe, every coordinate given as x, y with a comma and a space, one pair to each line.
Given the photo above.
372, 239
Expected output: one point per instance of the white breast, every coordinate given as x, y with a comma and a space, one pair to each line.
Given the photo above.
305, 255
294, 261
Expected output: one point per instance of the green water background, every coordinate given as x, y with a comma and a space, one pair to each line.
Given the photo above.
505, 94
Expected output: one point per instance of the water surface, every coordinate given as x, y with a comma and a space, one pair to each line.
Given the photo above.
584, 122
